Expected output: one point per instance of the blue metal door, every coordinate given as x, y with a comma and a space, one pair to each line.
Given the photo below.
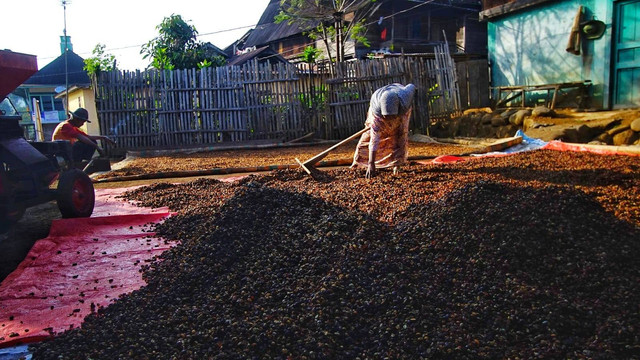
627, 55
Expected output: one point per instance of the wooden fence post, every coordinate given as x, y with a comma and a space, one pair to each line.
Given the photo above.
171, 109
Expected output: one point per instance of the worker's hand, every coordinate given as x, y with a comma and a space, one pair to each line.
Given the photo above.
371, 171
108, 139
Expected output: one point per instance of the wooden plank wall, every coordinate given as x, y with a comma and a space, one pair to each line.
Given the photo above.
437, 91
351, 89
272, 97
313, 99
127, 107
190, 108
473, 78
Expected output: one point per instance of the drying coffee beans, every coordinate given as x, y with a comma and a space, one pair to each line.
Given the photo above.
533, 255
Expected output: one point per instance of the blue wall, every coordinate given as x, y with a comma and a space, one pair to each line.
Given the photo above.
528, 47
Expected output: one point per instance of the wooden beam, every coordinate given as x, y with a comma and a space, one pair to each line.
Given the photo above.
509, 8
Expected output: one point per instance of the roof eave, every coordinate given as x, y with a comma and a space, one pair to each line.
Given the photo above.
509, 8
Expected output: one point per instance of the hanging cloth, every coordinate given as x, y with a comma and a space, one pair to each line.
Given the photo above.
573, 46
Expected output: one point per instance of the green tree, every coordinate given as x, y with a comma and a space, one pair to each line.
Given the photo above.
176, 47
100, 61
325, 20
310, 55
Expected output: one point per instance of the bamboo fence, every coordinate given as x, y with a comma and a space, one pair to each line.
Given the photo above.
261, 102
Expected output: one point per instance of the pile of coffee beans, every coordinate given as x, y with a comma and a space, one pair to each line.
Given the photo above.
532, 255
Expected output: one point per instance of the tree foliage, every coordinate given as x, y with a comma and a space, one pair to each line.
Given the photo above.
325, 20
100, 61
176, 47
310, 54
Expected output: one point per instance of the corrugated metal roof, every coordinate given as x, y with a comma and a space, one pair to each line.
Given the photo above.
215, 49
262, 54
54, 72
268, 31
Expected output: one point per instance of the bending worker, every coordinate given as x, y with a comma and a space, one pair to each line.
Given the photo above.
385, 144
83, 145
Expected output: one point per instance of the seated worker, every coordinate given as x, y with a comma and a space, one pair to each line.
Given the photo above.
83, 145
385, 144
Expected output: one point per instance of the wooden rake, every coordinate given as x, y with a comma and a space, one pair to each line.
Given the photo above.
309, 164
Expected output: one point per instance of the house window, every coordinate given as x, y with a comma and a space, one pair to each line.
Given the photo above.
415, 29
46, 102
58, 104
51, 109
49, 103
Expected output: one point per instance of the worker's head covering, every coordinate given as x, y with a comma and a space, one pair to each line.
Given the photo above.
82, 114
389, 103
406, 95
396, 99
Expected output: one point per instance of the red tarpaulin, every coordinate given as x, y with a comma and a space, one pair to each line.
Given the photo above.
83, 263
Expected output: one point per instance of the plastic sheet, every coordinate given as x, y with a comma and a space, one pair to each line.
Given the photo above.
597, 149
444, 159
108, 204
527, 144
83, 264
15, 353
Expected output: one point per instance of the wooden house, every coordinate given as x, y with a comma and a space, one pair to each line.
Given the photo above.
393, 27
285, 39
540, 44
405, 27
46, 85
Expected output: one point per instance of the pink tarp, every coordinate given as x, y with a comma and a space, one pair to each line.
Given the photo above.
107, 204
445, 159
603, 150
83, 263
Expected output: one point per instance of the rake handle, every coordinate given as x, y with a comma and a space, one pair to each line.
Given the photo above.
321, 155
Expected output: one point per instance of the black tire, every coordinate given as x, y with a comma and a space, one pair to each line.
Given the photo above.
76, 196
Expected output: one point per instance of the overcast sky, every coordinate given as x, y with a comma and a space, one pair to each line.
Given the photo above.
35, 26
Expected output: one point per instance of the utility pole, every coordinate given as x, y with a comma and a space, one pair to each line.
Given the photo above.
66, 62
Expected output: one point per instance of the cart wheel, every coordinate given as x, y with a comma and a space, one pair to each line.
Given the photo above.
75, 196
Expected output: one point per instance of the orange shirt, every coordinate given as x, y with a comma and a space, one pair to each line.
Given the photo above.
66, 131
